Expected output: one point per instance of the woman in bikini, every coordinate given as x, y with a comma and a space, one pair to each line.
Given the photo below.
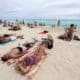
68, 35
17, 52
26, 62
30, 64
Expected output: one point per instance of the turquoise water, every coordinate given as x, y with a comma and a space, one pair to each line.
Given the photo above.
63, 23
50, 22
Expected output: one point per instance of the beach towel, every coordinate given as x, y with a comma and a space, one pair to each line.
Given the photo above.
44, 32
2, 44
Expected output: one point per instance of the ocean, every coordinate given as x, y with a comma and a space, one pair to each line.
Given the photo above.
51, 22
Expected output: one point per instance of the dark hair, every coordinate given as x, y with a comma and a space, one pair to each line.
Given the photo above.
49, 43
45, 31
29, 45
71, 25
4, 59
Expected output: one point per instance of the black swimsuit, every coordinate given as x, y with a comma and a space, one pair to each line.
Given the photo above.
50, 44
6, 35
19, 48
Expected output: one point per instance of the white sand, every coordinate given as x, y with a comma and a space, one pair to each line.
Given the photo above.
63, 64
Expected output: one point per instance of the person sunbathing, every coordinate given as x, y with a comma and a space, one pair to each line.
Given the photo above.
48, 41
27, 62
68, 35
15, 28
4, 39
9, 37
17, 52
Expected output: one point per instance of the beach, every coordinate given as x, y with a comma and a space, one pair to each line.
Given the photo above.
62, 64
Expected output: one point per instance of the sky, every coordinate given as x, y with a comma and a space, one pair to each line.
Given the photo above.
42, 9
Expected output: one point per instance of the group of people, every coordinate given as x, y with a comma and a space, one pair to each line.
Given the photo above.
12, 26
28, 61
28, 57
69, 34
35, 24
16, 26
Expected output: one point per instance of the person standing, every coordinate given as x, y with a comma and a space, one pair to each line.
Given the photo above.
58, 23
5, 23
17, 22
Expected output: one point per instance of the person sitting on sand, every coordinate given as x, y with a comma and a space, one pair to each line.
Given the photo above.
17, 51
76, 38
10, 24
68, 35
26, 62
15, 28
70, 32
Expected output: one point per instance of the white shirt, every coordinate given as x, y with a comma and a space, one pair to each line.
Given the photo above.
13, 38
23, 47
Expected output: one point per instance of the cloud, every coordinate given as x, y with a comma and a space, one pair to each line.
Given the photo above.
40, 9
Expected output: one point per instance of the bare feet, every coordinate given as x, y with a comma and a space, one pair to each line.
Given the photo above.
29, 77
9, 62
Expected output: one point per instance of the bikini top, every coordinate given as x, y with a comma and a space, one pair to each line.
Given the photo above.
23, 47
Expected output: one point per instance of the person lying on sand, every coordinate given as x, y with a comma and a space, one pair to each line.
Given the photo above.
49, 41
35, 69
68, 35
15, 28
9, 37
27, 62
17, 52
